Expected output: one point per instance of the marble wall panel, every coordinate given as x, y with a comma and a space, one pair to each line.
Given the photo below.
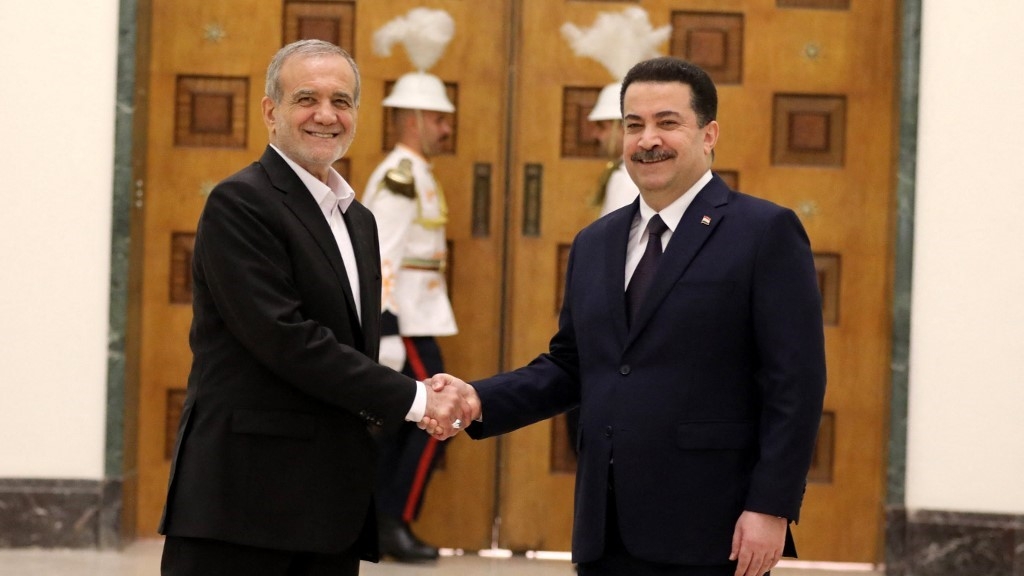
950, 543
49, 513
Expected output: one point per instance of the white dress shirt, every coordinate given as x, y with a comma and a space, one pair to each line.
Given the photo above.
334, 198
671, 215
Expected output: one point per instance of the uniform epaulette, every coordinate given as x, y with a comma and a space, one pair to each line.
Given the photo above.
400, 180
602, 181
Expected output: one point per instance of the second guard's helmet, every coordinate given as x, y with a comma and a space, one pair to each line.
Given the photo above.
607, 106
617, 40
425, 33
420, 91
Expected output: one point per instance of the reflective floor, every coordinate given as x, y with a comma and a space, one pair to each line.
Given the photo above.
143, 559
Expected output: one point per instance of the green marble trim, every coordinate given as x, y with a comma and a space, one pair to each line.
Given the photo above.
906, 186
114, 467
120, 239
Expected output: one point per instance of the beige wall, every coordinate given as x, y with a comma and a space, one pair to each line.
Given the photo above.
966, 432
966, 437
57, 89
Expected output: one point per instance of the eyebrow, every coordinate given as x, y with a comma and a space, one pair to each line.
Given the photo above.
657, 115
310, 92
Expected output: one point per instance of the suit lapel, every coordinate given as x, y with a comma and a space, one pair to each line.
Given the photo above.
362, 230
299, 200
617, 237
699, 221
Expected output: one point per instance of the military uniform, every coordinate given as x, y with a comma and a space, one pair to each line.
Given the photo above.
616, 188
411, 214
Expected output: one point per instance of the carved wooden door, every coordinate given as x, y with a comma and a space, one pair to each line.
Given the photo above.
806, 108
806, 91
203, 81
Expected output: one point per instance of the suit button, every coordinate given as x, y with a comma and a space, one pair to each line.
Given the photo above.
380, 422
624, 370
608, 432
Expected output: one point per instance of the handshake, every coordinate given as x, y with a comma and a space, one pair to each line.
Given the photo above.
452, 404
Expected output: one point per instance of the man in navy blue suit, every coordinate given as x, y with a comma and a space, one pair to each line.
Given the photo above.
691, 338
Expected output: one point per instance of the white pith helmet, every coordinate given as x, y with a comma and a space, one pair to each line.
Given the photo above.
617, 40
607, 105
419, 91
425, 33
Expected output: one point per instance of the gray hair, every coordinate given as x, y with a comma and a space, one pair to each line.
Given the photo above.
304, 48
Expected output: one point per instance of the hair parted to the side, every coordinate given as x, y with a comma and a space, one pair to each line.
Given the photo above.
704, 98
304, 48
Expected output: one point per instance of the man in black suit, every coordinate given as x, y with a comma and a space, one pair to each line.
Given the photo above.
700, 380
273, 468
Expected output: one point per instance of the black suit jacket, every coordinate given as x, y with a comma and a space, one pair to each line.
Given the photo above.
273, 447
709, 403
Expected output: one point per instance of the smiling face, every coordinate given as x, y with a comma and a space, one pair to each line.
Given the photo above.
665, 148
315, 121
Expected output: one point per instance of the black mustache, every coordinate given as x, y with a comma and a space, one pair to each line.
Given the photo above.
652, 155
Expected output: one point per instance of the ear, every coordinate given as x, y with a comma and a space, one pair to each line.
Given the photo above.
710, 136
269, 108
411, 120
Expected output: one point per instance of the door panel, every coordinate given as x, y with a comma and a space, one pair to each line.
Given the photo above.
536, 501
806, 108
471, 67
207, 66
188, 66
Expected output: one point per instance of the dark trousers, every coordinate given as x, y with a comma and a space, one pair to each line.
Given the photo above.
406, 459
202, 557
617, 561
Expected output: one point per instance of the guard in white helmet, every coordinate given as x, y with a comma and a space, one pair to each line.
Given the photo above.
615, 188
617, 40
411, 214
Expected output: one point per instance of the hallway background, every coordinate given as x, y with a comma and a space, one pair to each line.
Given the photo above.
962, 436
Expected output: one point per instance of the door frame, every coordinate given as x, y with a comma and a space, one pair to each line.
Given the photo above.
117, 522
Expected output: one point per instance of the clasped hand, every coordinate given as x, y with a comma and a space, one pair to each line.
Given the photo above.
452, 404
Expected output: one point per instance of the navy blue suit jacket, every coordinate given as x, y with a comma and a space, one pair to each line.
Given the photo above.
273, 448
709, 403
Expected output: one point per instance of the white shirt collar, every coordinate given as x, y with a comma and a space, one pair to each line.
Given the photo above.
336, 192
672, 213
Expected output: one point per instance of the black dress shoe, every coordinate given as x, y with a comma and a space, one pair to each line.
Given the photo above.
398, 542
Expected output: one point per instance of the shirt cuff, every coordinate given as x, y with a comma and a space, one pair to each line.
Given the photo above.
419, 404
